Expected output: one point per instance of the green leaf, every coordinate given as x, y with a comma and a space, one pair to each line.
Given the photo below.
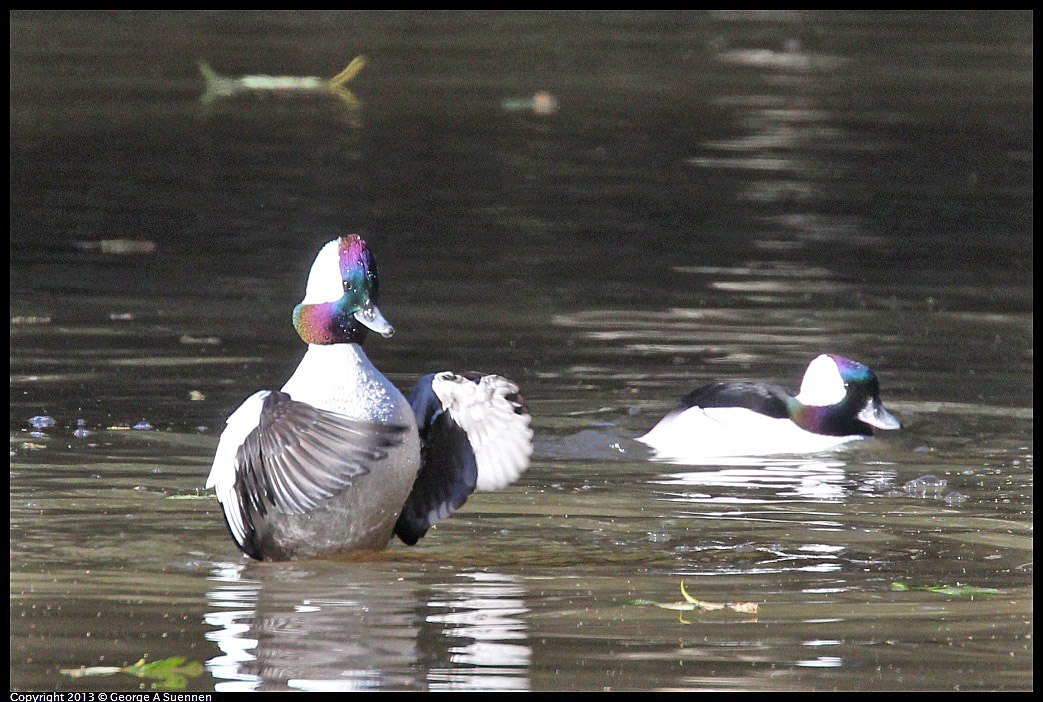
170, 673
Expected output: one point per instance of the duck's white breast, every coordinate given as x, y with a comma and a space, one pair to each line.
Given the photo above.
340, 378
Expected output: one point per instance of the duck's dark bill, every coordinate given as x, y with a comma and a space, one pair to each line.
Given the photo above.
371, 316
875, 415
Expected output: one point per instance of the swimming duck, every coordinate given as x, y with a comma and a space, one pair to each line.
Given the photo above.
838, 402
339, 460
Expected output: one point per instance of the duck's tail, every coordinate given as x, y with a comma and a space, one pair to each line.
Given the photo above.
356, 65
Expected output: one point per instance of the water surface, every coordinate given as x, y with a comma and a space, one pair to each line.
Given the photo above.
717, 196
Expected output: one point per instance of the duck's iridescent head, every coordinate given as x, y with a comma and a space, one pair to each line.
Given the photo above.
340, 303
841, 397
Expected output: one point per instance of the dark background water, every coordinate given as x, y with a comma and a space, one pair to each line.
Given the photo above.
718, 195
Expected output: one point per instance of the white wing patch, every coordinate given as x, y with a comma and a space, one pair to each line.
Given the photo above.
223, 473
500, 437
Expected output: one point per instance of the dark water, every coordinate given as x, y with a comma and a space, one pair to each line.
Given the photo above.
717, 196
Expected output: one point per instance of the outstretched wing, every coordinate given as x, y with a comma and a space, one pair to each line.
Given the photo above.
279, 454
475, 435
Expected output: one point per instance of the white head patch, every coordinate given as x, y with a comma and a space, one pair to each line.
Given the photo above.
324, 281
822, 384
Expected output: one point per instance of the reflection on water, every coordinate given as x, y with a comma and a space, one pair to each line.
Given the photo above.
786, 478
485, 620
301, 628
237, 599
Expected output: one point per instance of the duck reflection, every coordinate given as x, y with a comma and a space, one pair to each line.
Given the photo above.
481, 617
358, 626
778, 477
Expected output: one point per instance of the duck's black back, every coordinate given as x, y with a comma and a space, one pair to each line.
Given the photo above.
762, 398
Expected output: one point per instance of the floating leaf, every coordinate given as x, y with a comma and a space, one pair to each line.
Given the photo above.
745, 607
170, 673
118, 246
691, 604
31, 319
699, 603
957, 589
86, 672
675, 606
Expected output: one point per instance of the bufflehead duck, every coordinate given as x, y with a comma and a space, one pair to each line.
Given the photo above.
339, 460
839, 401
